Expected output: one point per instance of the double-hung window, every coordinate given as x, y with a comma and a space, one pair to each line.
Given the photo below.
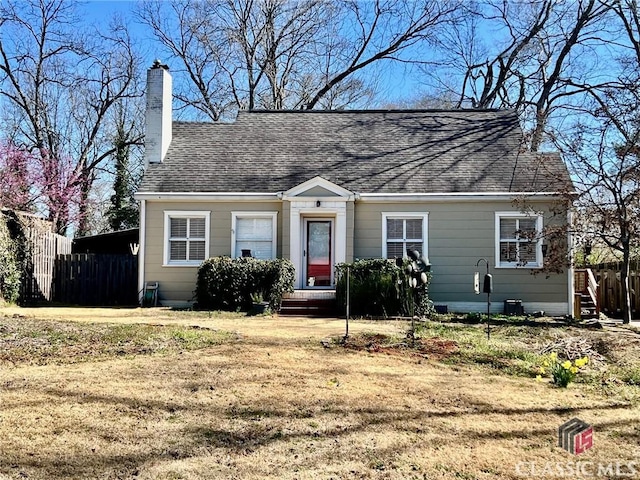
254, 233
518, 240
402, 231
186, 237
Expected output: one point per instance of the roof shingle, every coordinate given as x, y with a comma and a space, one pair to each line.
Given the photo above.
395, 151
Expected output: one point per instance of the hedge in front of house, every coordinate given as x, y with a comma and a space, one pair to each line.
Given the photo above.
379, 288
228, 284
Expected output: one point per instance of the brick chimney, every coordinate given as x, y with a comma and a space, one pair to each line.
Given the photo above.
159, 113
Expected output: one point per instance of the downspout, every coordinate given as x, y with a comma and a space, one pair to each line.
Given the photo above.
571, 279
141, 250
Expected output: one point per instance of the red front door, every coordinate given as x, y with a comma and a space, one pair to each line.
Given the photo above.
318, 253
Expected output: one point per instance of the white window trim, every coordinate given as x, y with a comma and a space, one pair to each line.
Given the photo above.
539, 225
406, 215
274, 222
168, 215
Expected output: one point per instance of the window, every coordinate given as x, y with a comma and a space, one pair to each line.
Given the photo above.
402, 231
518, 240
255, 233
186, 237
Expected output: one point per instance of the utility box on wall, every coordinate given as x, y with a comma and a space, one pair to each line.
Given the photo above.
513, 307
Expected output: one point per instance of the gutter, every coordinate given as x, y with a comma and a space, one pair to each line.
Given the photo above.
364, 197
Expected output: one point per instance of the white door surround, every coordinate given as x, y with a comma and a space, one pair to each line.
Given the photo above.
317, 198
301, 210
321, 275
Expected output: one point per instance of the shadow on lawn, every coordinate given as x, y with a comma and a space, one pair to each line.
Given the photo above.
255, 427
249, 436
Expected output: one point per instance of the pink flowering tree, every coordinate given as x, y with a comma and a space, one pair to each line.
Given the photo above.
15, 187
58, 186
40, 183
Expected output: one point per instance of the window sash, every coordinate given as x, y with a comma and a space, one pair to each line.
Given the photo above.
187, 239
403, 233
255, 233
518, 241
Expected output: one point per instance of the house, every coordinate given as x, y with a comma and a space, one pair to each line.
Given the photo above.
324, 187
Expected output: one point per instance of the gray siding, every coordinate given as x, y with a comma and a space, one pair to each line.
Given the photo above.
350, 231
177, 284
317, 191
459, 234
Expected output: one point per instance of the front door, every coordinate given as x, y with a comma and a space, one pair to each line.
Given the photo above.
318, 253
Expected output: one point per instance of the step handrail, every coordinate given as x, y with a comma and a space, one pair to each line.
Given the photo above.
593, 289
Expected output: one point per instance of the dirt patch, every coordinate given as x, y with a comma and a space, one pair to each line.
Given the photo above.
433, 348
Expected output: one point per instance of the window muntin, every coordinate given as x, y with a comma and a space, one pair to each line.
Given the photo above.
402, 232
187, 237
255, 232
519, 241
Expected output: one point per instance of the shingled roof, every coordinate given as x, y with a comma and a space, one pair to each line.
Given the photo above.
391, 151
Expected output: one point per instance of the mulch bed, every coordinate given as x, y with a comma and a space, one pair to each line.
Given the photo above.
433, 348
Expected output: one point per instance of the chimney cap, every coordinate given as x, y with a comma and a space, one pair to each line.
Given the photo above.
157, 63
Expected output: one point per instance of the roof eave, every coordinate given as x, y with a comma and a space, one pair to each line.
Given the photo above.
371, 197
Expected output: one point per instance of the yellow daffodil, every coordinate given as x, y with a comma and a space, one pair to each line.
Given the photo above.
566, 365
542, 370
581, 362
538, 378
553, 357
574, 369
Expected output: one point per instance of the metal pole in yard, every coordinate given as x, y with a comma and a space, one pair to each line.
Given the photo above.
488, 314
487, 288
346, 335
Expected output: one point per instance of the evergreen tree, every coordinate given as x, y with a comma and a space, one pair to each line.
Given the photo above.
123, 212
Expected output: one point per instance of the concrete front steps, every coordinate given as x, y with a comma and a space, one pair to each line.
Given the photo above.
309, 303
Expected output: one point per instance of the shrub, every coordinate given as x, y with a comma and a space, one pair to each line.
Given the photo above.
229, 284
10, 265
377, 287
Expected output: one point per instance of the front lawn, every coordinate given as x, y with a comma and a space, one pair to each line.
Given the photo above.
166, 395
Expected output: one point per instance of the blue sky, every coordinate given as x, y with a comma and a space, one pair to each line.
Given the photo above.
396, 83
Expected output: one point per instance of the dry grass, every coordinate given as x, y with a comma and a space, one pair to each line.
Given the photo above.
272, 402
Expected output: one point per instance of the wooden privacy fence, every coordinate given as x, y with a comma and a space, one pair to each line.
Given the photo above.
96, 280
44, 247
609, 279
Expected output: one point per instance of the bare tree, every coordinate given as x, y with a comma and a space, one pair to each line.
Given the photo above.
60, 83
607, 175
548, 51
274, 54
605, 151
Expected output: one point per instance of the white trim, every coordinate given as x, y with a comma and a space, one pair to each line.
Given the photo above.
318, 182
168, 214
539, 225
319, 199
497, 307
142, 249
364, 197
210, 197
303, 207
407, 215
305, 240
458, 196
274, 228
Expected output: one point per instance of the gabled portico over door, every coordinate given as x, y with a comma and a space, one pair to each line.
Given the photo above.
318, 231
